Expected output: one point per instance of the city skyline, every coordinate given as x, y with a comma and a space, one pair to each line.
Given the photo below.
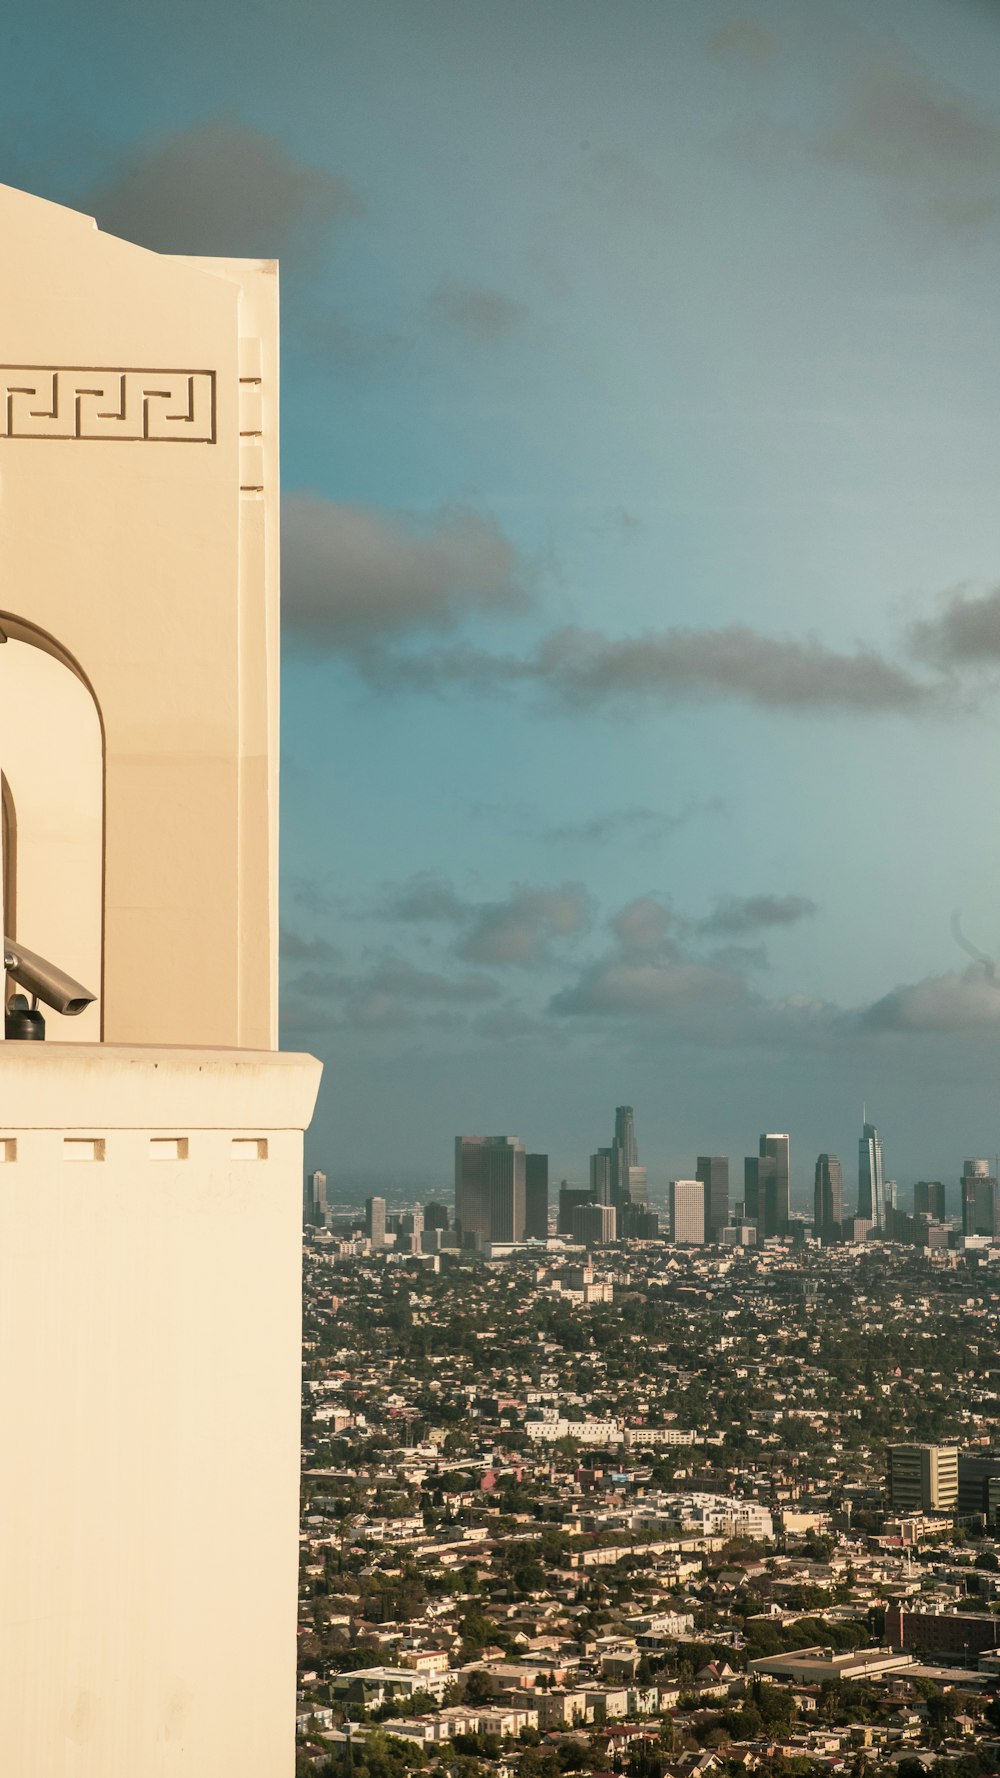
639, 455
772, 1191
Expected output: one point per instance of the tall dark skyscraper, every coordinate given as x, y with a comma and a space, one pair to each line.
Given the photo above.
570, 1198
979, 1484
828, 1198
778, 1149
602, 1190
536, 1196
628, 1179
713, 1171
756, 1174
490, 1188
766, 1185
929, 1199
980, 1206
625, 1135
871, 1186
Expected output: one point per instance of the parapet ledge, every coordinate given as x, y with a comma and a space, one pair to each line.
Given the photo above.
46, 1086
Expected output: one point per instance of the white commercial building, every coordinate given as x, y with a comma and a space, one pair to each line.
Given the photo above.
687, 1212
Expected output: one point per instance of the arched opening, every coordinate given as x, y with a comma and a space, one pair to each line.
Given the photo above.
52, 814
8, 860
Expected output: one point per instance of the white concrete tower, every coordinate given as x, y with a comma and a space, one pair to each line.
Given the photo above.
150, 1149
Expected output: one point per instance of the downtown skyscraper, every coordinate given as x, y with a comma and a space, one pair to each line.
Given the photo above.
490, 1189
628, 1179
828, 1198
871, 1182
766, 1184
713, 1171
980, 1199
536, 1196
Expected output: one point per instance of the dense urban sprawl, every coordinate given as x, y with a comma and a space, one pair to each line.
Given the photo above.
649, 1509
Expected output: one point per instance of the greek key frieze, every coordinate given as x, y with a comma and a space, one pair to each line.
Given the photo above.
165, 406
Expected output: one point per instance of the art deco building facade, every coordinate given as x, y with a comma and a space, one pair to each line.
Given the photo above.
151, 1148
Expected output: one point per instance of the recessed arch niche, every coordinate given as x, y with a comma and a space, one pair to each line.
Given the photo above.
52, 825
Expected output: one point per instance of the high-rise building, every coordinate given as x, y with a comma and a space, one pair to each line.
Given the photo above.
923, 1478
505, 1171
594, 1225
980, 1208
569, 1197
637, 1187
778, 1149
636, 1222
687, 1212
766, 1185
828, 1198
536, 1197
602, 1190
979, 1484
436, 1217
713, 1171
929, 1199
871, 1187
628, 1178
927, 1232
755, 1178
625, 1135
891, 1198
315, 1203
489, 1189
375, 1221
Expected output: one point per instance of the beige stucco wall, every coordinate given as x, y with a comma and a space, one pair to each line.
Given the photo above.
150, 1183
149, 1364
139, 529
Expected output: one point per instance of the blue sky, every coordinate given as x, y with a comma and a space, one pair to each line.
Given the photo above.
641, 448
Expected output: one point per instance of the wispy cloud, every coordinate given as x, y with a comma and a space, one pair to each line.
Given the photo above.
953, 1003
354, 575
579, 669
296, 948
223, 187
426, 898
965, 632
517, 929
655, 988
480, 314
649, 972
902, 123
657, 973
520, 929
637, 825
390, 993
643, 928
734, 916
